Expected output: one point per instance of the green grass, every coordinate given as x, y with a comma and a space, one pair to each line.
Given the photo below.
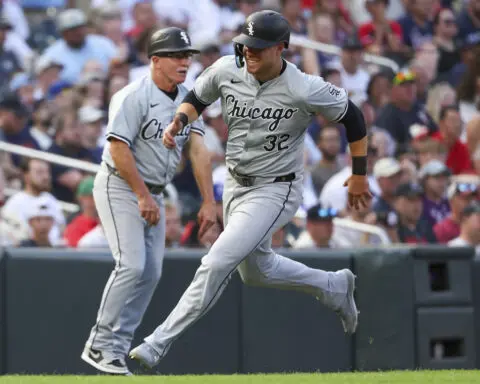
403, 377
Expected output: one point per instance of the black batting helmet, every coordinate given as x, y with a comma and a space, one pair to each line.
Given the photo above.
169, 40
264, 29
261, 30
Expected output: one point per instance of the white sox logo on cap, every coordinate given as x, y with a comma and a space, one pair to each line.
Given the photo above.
250, 28
184, 37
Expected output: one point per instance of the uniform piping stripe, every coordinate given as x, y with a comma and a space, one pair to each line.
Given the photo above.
199, 131
228, 275
118, 264
120, 137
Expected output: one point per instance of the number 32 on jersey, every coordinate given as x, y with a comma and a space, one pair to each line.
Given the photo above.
276, 141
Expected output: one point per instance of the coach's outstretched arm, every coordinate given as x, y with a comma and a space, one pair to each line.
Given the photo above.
358, 188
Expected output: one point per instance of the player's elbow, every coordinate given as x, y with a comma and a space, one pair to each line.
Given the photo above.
354, 123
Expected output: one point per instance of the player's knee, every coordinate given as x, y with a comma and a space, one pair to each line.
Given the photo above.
255, 271
134, 271
252, 278
218, 264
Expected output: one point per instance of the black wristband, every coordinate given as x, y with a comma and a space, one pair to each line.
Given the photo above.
359, 165
183, 118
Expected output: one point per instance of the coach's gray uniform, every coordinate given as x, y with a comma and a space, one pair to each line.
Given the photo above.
267, 124
138, 114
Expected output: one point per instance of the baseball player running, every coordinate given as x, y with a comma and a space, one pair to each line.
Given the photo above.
128, 189
267, 104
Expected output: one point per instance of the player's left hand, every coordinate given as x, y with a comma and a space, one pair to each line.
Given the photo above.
358, 191
206, 218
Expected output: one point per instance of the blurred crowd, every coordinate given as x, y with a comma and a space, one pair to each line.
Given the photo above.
60, 66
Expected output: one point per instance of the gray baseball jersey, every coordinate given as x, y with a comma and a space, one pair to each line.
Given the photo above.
138, 114
267, 122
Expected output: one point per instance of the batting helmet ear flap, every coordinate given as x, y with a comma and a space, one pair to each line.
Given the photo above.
239, 55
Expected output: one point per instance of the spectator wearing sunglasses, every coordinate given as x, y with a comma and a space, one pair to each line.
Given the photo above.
469, 228
412, 228
319, 228
459, 195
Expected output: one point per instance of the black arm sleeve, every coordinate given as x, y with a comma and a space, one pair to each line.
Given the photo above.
354, 123
191, 98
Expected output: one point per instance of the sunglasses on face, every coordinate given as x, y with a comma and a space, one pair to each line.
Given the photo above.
327, 213
467, 188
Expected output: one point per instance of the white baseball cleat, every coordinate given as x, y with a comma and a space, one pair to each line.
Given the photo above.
105, 363
146, 355
348, 309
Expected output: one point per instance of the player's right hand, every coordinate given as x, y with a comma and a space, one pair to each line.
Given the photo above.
358, 191
171, 131
149, 210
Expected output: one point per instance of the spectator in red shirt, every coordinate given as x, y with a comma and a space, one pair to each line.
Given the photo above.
144, 17
459, 196
88, 217
450, 129
381, 36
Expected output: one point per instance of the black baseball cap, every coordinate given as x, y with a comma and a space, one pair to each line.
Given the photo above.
409, 190
352, 43
13, 103
319, 213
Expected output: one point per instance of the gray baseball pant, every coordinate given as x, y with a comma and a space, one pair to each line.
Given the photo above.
138, 251
252, 215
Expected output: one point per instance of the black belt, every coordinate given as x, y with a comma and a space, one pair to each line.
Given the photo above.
248, 181
154, 189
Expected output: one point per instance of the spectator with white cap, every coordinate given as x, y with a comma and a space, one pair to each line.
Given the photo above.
41, 220
47, 71
37, 181
460, 194
76, 47
388, 173
469, 228
434, 178
91, 121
